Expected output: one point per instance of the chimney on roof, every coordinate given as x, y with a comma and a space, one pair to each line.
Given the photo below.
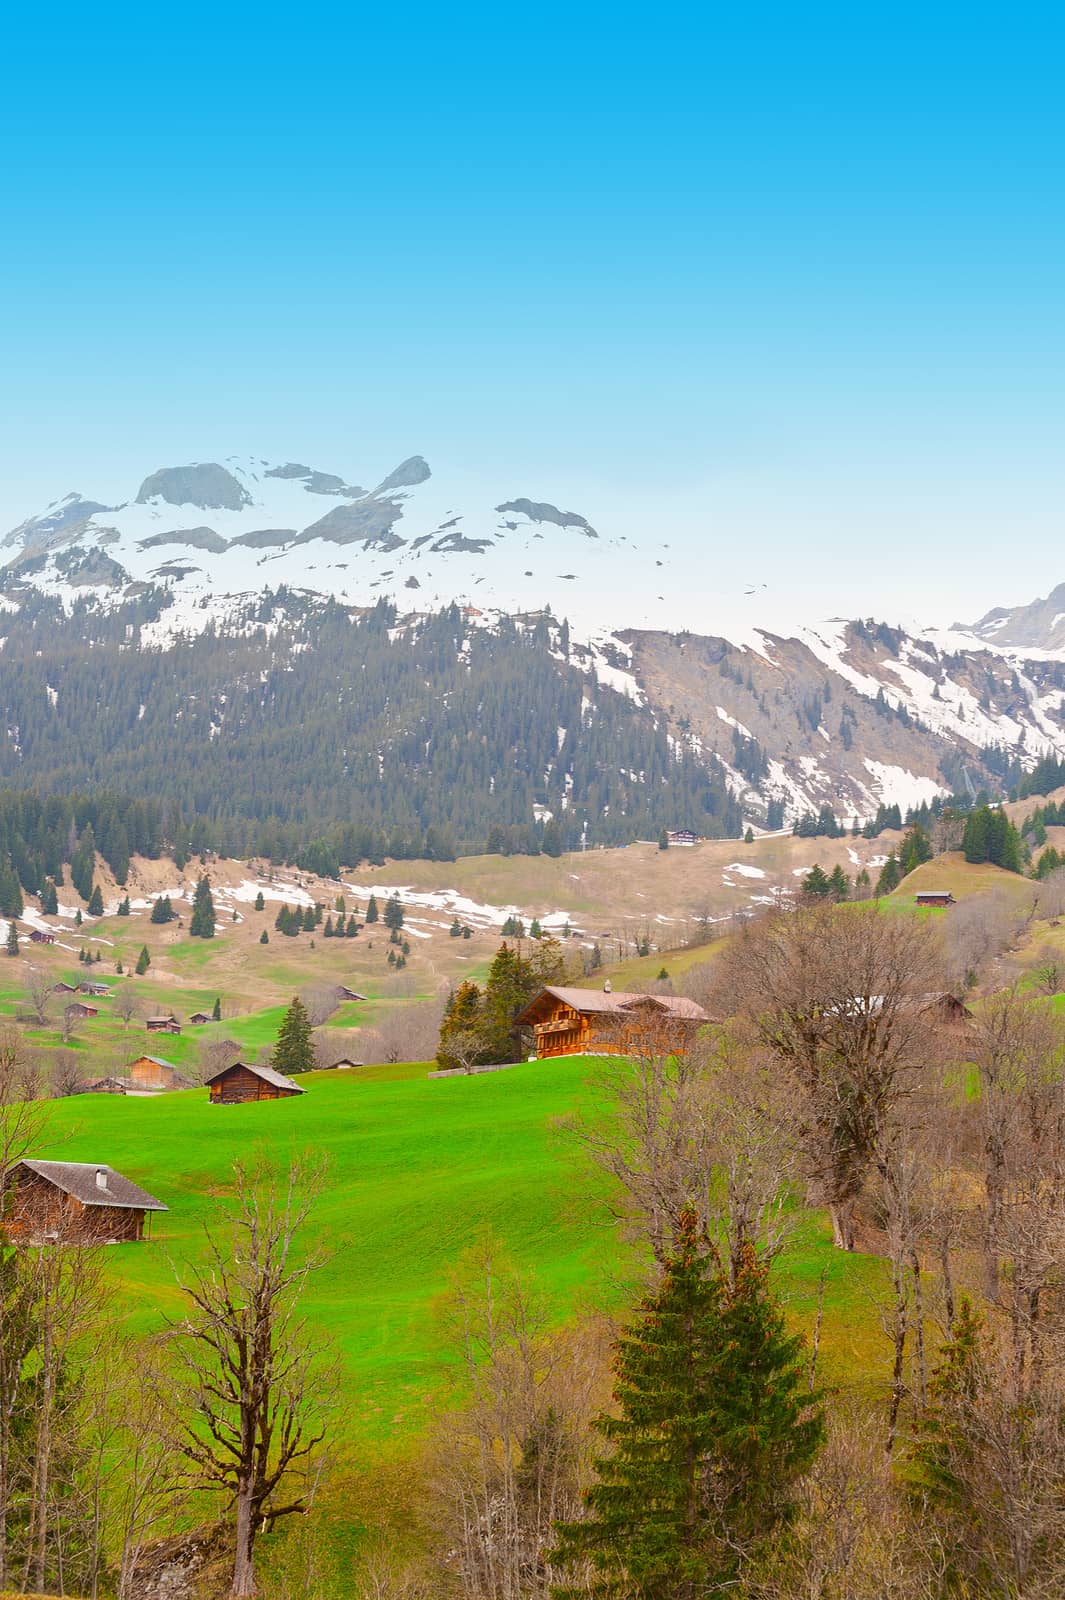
608, 987
101, 1178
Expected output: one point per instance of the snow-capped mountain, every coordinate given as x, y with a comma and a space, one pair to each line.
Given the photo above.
210, 532
853, 714
1038, 626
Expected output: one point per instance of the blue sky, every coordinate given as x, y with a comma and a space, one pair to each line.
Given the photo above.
789, 279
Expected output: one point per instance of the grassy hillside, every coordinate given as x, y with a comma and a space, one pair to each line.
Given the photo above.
962, 878
419, 1171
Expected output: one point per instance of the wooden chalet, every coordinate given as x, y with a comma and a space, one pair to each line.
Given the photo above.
163, 1025
67, 1202
945, 1008
41, 936
64, 988
152, 1072
682, 836
98, 989
198, 1018
102, 1086
240, 1083
344, 993
934, 897
573, 1022
78, 1008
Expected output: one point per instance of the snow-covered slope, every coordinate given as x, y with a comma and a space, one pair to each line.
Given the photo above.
210, 532
847, 713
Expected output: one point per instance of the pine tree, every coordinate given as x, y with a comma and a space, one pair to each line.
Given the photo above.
264, 937
11, 903
78, 918
338, 904
748, 837
371, 909
162, 910
535, 930
914, 850
663, 840
12, 938
123, 907
716, 1424
260, 903
352, 928
839, 884
201, 925
96, 902
118, 965
393, 913
816, 883
294, 1050
216, 1009
144, 961
49, 900
327, 931
890, 875
455, 930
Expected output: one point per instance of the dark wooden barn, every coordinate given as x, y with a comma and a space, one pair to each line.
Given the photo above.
67, 1202
239, 1083
163, 1025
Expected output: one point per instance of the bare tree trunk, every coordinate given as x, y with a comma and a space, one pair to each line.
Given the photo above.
842, 1214
244, 1559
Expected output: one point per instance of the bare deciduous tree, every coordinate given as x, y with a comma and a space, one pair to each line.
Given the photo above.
40, 994
978, 930
404, 1033
218, 1054
320, 1000
513, 1461
126, 1006
66, 1074
250, 1398
838, 1000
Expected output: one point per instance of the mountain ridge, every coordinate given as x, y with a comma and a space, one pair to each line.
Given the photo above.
846, 712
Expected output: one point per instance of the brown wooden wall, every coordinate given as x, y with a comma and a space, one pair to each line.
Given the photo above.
37, 1211
239, 1085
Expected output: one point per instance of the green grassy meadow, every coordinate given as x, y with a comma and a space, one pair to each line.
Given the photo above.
420, 1170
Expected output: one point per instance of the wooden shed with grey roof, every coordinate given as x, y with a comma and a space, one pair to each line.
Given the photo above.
235, 1085
75, 1202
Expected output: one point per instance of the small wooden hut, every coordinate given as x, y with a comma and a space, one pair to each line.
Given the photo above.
66, 1202
239, 1083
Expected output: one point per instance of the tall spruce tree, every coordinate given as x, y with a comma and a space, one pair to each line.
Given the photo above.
144, 961
371, 909
294, 1050
95, 907
715, 1425
12, 938
201, 925
49, 900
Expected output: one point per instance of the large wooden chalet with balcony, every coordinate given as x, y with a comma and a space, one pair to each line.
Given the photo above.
574, 1022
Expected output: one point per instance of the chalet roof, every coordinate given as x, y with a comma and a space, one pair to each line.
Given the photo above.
201, 1016
602, 1002
157, 1061
168, 1017
267, 1074
79, 1178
